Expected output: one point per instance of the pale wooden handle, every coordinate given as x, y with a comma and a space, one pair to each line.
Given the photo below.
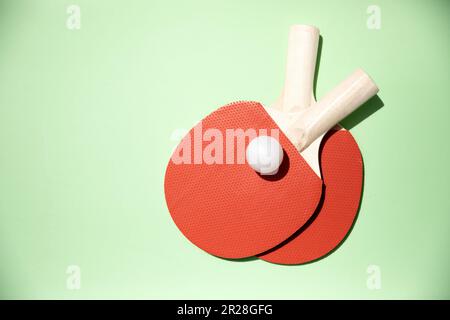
335, 106
300, 67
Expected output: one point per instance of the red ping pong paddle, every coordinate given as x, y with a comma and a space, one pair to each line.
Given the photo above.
225, 207
342, 172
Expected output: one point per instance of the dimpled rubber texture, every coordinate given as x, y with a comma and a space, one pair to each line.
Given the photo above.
343, 174
229, 210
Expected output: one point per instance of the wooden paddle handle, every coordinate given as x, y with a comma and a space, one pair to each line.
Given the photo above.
335, 106
300, 67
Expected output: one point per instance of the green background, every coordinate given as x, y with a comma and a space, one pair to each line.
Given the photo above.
86, 119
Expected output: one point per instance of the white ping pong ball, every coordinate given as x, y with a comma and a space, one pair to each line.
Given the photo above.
264, 154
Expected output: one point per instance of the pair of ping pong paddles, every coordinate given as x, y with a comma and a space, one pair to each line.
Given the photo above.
305, 209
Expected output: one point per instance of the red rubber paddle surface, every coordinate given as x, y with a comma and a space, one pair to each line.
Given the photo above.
229, 210
342, 172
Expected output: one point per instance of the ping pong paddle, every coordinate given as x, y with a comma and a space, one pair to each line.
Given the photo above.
225, 207
342, 173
